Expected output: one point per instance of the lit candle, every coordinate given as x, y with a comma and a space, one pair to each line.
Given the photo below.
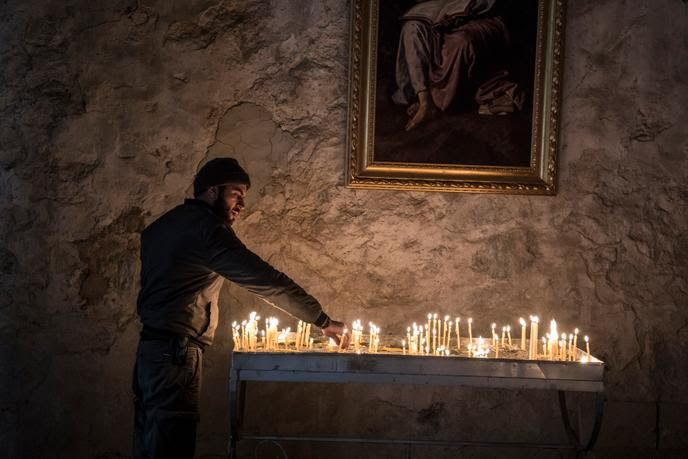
562, 347
523, 333
503, 335
403, 346
553, 338
298, 333
342, 341
532, 336
494, 335
408, 336
435, 326
587, 346
447, 332
537, 331
575, 343
470, 331
570, 353
458, 333
427, 339
416, 339
508, 334
234, 335
308, 333
562, 352
547, 343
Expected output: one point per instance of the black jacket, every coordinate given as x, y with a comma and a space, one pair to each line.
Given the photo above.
185, 254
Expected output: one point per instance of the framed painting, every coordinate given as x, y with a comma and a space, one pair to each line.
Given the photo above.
455, 95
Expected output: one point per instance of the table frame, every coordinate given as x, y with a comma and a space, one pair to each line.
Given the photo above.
425, 370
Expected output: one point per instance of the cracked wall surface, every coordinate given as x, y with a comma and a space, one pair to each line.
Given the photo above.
109, 108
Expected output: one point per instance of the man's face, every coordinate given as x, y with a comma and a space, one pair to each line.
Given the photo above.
230, 202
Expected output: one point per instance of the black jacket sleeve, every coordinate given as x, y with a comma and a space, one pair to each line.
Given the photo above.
230, 258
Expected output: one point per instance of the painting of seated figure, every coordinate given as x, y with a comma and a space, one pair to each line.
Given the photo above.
456, 88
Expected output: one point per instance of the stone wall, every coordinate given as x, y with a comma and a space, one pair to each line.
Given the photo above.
109, 108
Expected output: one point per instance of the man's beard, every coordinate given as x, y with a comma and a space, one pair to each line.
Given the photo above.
222, 211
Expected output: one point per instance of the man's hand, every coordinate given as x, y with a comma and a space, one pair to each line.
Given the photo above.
334, 329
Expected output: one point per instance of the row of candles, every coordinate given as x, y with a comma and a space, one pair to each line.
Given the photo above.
245, 335
435, 337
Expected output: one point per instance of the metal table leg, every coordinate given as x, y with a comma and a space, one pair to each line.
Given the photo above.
237, 398
570, 432
574, 437
599, 411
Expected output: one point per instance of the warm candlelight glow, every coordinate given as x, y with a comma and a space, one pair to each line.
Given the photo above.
433, 338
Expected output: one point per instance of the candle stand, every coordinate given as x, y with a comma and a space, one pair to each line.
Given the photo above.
389, 366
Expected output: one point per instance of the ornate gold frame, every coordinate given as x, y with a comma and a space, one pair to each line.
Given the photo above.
539, 178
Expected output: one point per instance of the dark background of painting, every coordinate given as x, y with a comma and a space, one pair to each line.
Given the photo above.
460, 136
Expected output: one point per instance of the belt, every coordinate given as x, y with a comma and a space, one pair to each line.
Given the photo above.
156, 334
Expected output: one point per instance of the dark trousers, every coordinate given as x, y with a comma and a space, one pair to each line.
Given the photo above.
167, 384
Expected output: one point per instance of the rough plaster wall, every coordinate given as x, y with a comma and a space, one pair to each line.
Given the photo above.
108, 109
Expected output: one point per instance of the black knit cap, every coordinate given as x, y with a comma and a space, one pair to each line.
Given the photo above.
220, 171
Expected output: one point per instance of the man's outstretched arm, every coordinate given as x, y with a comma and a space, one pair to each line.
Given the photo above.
230, 258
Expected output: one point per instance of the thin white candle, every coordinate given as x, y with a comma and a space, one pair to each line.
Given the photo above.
537, 331
447, 331
458, 333
532, 337
523, 333
587, 346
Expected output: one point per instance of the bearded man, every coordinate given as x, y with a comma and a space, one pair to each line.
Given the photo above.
185, 256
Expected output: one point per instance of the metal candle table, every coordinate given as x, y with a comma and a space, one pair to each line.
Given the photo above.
393, 368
